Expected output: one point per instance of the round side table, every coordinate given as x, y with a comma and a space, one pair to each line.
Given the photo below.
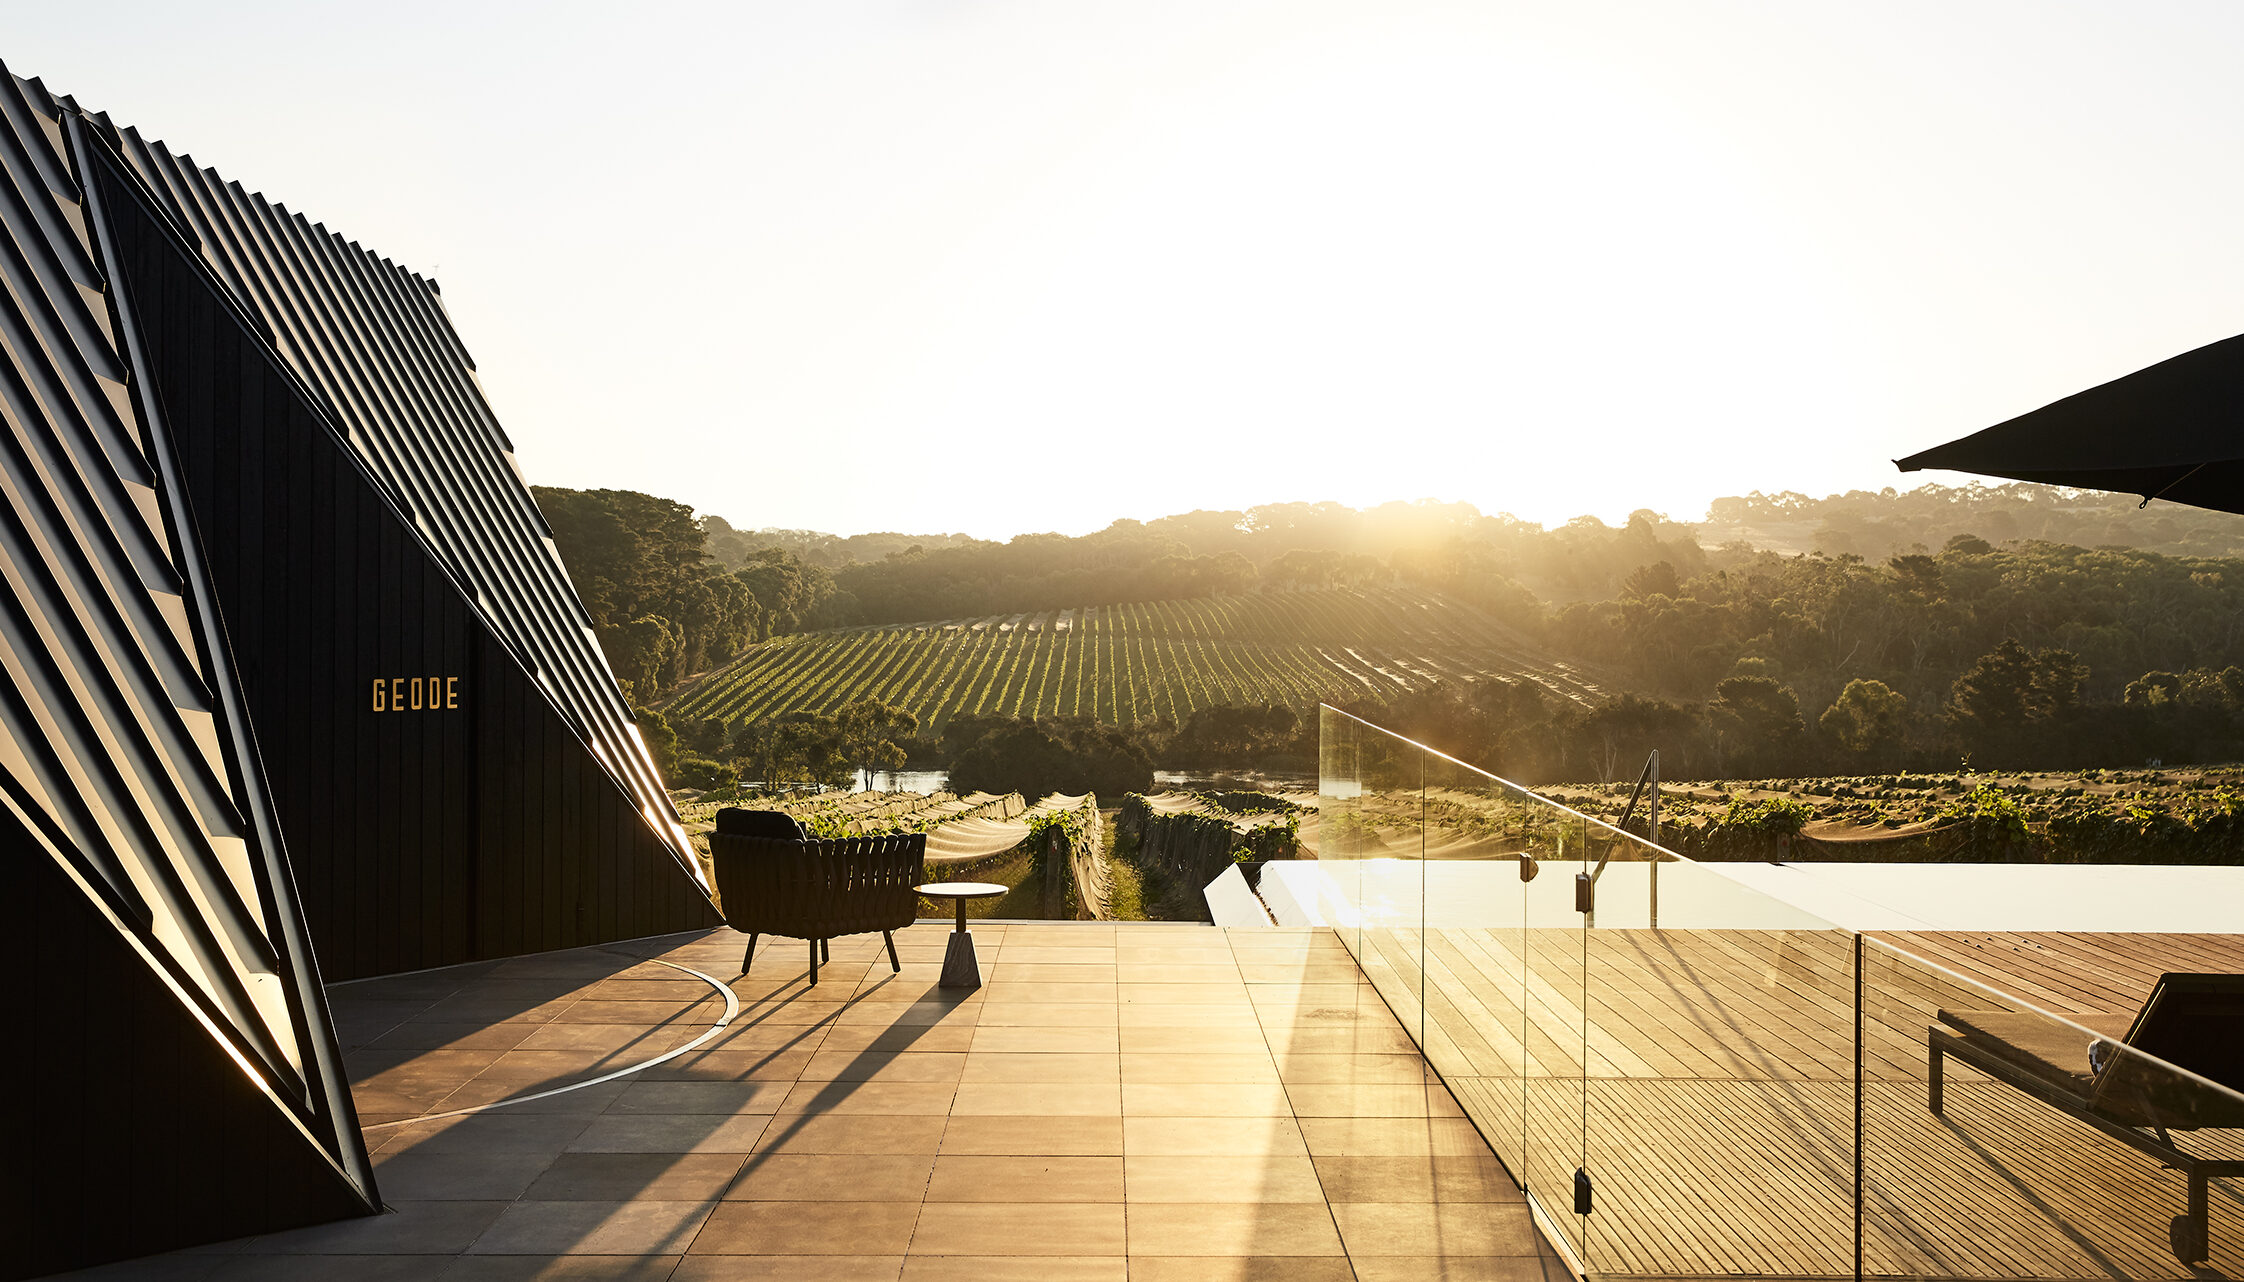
959, 967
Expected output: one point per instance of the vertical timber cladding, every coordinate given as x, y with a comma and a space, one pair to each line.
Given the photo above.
422, 836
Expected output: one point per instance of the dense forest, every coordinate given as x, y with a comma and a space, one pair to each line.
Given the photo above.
1756, 663
1782, 635
1582, 559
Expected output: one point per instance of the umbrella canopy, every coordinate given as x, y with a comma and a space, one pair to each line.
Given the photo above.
2173, 431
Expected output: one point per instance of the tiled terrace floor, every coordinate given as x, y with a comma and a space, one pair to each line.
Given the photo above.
1145, 1100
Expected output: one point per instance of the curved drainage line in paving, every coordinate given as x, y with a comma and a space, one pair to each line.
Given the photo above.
732, 1009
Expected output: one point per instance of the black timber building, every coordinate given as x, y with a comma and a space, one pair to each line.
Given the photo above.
297, 691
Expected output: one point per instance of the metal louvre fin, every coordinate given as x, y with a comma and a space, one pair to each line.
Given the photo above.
103, 509
372, 341
57, 326
432, 298
75, 590
179, 188
26, 146
31, 215
182, 804
58, 795
114, 744
29, 111
148, 839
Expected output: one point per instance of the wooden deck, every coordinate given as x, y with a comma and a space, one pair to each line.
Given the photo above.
1716, 1114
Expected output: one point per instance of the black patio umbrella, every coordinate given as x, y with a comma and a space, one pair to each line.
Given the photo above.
2173, 431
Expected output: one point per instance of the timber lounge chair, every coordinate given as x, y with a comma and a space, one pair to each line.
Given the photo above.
2114, 1081
773, 880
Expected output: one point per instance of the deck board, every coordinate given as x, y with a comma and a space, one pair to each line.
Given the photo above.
1720, 1101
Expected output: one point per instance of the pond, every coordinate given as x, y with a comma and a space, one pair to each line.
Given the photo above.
907, 781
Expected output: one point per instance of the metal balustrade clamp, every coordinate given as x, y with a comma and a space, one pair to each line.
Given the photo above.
1585, 884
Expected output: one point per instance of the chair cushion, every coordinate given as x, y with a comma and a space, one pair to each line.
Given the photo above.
2057, 1053
2102, 1071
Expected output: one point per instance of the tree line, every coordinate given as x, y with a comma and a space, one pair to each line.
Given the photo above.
662, 608
1327, 544
1740, 659
2010, 708
672, 595
1879, 524
1212, 553
734, 548
1756, 664
1914, 623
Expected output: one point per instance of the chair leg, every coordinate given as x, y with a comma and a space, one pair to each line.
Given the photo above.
750, 959
894, 965
814, 963
1935, 1085
2200, 1243
826, 949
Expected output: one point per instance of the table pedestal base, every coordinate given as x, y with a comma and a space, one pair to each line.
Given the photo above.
959, 967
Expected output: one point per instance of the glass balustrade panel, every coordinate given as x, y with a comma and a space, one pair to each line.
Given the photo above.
1752, 1090
1474, 987
1720, 1081
1371, 821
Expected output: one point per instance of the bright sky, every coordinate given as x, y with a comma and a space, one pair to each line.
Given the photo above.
1037, 264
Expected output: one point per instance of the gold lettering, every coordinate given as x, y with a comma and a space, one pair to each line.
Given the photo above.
432, 693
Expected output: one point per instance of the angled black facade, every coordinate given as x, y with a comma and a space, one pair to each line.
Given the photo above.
297, 690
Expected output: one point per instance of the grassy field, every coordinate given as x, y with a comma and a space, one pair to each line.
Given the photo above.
1137, 662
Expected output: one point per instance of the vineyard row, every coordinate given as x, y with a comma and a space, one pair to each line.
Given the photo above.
1132, 662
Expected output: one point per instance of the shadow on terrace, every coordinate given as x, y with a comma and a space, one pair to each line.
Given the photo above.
1141, 1099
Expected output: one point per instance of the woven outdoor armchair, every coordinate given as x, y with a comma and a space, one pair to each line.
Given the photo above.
817, 889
